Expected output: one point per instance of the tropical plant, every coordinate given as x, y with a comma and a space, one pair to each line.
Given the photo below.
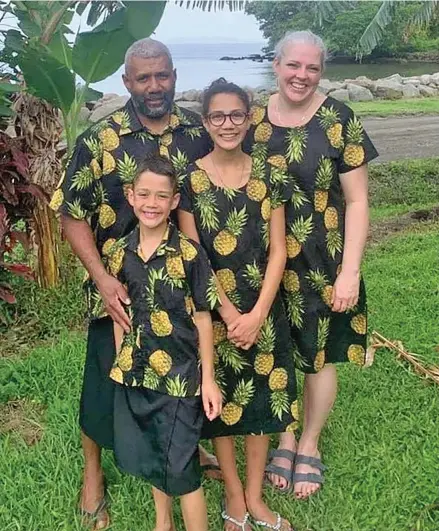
17, 202
423, 15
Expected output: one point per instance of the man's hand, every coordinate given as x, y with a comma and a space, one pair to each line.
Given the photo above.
212, 398
113, 293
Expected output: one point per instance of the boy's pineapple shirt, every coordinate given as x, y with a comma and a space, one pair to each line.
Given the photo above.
314, 155
161, 351
259, 384
103, 165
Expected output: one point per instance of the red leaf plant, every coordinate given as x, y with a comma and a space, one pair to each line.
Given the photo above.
17, 200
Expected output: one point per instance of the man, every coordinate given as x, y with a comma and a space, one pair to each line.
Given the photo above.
94, 212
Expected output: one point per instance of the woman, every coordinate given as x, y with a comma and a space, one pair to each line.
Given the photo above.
320, 142
229, 206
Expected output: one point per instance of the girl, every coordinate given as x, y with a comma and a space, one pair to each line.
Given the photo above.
229, 205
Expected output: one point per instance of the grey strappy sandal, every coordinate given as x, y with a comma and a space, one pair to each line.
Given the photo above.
286, 473
315, 462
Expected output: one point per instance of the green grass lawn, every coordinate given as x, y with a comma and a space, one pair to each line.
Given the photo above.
381, 444
396, 107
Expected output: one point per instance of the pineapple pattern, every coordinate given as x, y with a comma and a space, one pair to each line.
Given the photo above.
233, 228
161, 351
103, 166
312, 157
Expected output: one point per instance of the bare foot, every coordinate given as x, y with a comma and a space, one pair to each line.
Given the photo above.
304, 489
261, 512
92, 495
209, 460
287, 441
236, 509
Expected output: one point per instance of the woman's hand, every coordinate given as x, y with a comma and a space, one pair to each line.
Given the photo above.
346, 291
244, 331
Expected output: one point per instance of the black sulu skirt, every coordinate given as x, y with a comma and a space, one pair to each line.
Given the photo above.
156, 437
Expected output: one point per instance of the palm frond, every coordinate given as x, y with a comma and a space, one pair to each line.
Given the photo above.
425, 13
375, 30
326, 10
213, 5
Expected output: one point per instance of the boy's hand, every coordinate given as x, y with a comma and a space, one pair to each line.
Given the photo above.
212, 399
244, 331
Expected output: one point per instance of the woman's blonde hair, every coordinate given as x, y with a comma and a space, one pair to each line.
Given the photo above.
301, 37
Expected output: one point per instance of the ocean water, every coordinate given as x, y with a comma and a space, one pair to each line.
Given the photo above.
199, 64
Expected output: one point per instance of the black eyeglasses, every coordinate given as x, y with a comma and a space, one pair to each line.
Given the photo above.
218, 118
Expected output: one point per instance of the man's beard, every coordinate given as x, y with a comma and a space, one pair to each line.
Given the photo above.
141, 105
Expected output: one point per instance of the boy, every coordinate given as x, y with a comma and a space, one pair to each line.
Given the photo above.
158, 409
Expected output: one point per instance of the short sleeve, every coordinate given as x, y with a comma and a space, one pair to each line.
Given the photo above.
281, 183
114, 259
201, 280
358, 148
76, 195
186, 200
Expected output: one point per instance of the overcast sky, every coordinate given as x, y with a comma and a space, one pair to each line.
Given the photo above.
193, 25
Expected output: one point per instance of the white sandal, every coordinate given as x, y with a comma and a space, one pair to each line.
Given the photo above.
239, 525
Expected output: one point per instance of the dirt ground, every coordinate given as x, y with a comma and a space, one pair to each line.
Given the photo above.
409, 137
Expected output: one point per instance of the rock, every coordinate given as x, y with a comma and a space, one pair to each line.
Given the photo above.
84, 114
435, 78
411, 81
178, 96
340, 94
426, 79
358, 93
327, 86
394, 77
410, 91
388, 89
428, 92
194, 106
363, 81
106, 97
107, 108
190, 95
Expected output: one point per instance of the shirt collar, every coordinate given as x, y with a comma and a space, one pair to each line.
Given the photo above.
170, 244
179, 118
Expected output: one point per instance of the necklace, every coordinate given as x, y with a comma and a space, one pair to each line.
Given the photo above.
301, 119
219, 175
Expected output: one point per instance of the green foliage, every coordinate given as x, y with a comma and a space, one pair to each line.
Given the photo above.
41, 53
407, 182
385, 108
385, 28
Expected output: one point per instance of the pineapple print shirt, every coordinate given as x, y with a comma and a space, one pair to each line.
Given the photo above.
315, 154
104, 163
161, 352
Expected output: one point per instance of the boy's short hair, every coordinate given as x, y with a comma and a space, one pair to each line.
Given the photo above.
160, 165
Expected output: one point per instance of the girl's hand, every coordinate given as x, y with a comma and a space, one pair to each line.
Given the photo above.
346, 291
230, 315
212, 399
244, 331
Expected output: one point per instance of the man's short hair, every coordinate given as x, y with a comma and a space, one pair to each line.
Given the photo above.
146, 49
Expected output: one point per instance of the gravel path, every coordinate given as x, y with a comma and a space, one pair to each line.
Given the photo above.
406, 137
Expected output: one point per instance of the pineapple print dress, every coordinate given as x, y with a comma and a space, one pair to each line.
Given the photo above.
258, 385
331, 143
